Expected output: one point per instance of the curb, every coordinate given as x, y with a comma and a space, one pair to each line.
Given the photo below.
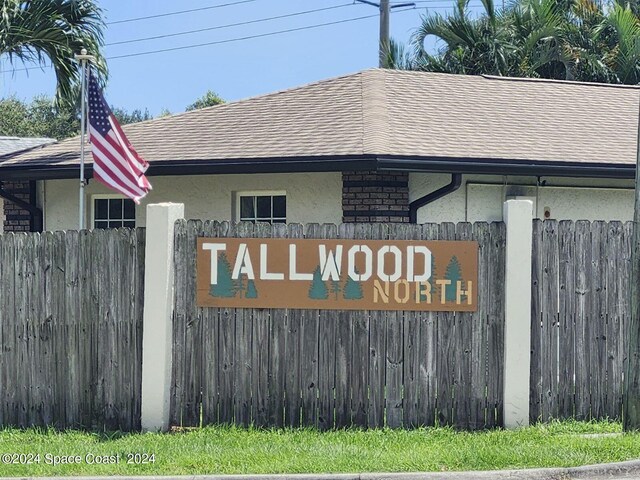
628, 469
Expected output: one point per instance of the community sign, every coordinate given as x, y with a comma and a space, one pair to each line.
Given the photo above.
337, 274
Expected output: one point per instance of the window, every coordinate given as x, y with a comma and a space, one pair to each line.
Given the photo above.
113, 212
262, 207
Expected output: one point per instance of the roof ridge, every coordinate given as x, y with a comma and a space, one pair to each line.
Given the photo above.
513, 79
375, 112
560, 82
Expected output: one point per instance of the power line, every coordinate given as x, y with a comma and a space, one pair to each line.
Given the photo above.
434, 1
218, 27
431, 3
289, 30
40, 67
230, 40
179, 12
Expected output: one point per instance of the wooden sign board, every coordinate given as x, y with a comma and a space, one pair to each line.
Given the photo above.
337, 274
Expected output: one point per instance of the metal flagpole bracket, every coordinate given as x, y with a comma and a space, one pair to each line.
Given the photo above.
80, 58
83, 58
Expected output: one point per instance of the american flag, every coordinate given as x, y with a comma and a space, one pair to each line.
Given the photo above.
115, 162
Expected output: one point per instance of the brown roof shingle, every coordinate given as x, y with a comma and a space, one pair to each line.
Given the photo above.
387, 112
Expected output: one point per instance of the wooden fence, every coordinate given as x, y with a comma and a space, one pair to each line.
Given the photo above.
71, 336
71, 328
275, 367
580, 310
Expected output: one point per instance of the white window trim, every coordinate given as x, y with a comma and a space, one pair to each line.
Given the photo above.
105, 196
253, 193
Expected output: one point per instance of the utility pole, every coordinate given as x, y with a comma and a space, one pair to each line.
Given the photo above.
384, 31
631, 393
385, 10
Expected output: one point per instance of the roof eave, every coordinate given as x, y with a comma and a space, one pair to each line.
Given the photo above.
485, 166
492, 166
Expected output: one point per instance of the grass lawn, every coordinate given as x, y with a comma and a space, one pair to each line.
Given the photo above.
216, 450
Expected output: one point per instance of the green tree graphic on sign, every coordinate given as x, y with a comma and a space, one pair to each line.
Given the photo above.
335, 287
251, 291
352, 289
239, 285
454, 274
225, 287
318, 289
434, 286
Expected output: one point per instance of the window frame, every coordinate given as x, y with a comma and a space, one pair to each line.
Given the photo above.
109, 196
257, 193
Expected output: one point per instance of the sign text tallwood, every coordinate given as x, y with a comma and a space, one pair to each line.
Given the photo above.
337, 274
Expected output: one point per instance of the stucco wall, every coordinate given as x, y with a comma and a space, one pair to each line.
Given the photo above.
566, 198
316, 197
311, 197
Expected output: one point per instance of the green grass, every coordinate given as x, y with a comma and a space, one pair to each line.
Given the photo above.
216, 450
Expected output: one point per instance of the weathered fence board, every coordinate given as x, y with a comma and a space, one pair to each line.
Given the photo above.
71, 328
549, 305
331, 369
427, 380
294, 357
579, 312
377, 366
494, 296
598, 336
464, 325
566, 309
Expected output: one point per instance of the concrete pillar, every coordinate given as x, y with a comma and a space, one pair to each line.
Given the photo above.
158, 308
518, 216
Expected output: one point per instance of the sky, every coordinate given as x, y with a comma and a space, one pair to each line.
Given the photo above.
232, 65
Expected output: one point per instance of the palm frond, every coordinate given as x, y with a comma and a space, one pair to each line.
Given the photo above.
41, 31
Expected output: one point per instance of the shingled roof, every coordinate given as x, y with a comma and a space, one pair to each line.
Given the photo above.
19, 144
388, 119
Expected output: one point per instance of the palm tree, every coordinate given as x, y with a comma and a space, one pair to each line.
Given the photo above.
560, 39
471, 45
396, 57
538, 38
621, 27
585, 40
34, 31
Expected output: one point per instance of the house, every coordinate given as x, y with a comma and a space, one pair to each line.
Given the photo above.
22, 191
378, 145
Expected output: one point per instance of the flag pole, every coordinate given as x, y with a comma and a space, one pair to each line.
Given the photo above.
83, 58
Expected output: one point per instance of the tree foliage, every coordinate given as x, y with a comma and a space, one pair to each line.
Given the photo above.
584, 40
209, 99
124, 116
42, 117
52, 31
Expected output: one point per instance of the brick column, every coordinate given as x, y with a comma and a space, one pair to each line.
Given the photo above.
17, 219
375, 197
